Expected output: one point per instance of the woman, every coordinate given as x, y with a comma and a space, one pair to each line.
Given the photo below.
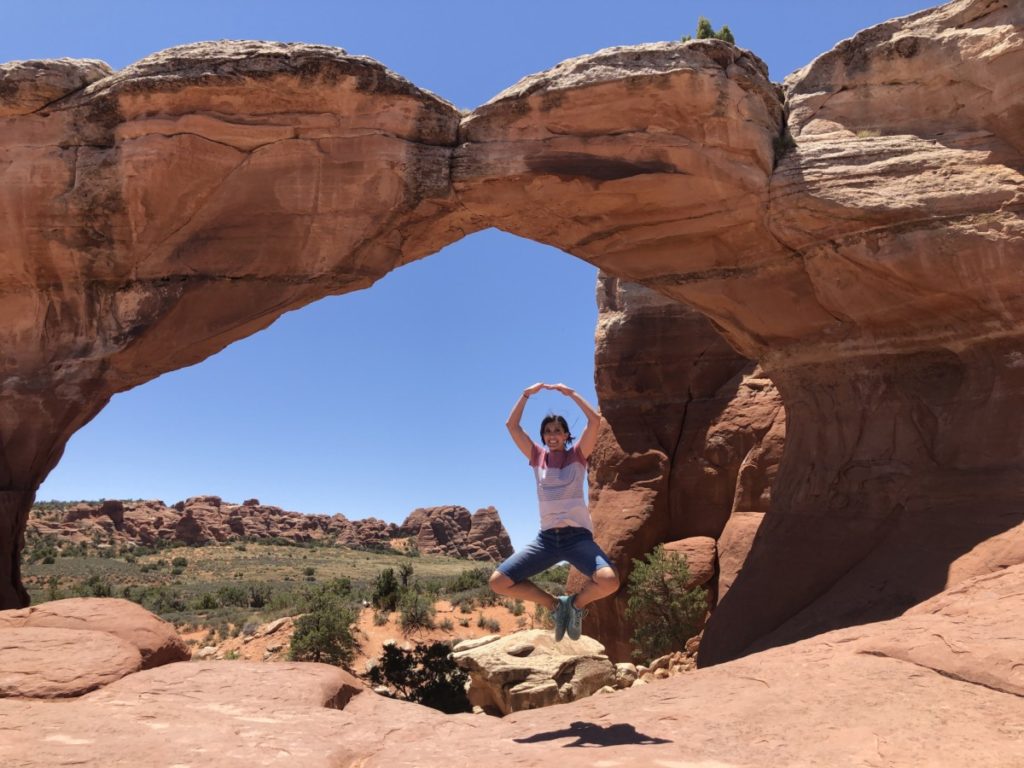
567, 532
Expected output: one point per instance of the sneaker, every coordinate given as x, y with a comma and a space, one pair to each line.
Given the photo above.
561, 616
574, 627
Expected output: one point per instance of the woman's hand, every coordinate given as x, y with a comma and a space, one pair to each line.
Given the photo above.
534, 389
565, 390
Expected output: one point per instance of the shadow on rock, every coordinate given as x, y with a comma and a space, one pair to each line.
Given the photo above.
594, 735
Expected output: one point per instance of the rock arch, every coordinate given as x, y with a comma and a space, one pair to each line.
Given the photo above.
155, 215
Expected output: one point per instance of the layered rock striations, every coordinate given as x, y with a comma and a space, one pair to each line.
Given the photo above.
200, 520
857, 234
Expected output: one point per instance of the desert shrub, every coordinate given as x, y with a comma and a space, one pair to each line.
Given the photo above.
471, 578
517, 608
491, 625
425, 675
177, 571
249, 628
380, 618
405, 574
416, 611
206, 602
666, 614
233, 595
94, 586
325, 632
179, 562
542, 618
386, 591
465, 606
309, 571
705, 31
447, 625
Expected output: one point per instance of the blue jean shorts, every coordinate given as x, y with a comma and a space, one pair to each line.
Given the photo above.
551, 547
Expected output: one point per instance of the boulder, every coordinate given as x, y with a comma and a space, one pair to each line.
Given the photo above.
527, 670
156, 640
700, 554
48, 663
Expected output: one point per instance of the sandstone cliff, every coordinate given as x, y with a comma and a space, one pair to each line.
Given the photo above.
207, 520
857, 233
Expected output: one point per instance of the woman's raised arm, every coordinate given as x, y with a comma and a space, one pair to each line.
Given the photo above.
588, 439
519, 436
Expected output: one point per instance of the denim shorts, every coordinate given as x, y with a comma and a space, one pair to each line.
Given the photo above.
551, 547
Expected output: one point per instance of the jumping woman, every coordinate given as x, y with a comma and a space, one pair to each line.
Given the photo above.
566, 530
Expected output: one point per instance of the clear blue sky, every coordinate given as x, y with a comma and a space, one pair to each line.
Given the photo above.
375, 403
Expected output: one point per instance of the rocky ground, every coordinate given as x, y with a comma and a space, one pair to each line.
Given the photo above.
941, 685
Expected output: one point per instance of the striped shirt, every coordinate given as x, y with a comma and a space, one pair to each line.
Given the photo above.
560, 488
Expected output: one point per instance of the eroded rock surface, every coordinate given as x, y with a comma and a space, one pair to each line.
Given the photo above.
162, 212
156, 640
452, 530
928, 688
528, 670
49, 663
688, 441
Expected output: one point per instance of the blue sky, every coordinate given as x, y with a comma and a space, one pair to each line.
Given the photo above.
378, 402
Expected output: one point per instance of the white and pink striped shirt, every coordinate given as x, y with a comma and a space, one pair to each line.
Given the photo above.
560, 488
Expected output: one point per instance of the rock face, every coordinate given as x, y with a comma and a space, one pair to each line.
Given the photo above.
866, 252
47, 663
902, 193
687, 441
453, 531
938, 686
208, 519
527, 670
155, 640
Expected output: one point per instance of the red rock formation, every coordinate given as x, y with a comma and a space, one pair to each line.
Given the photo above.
684, 443
453, 531
208, 519
156, 640
167, 210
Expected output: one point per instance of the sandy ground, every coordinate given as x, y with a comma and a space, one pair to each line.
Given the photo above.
271, 641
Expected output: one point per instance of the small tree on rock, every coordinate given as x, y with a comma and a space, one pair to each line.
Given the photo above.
705, 32
666, 614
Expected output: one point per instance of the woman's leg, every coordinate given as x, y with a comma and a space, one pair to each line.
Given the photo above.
588, 558
523, 590
511, 578
604, 582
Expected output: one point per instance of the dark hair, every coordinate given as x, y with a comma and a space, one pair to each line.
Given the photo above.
561, 420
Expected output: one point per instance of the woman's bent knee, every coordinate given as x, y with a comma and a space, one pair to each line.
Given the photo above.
499, 582
608, 580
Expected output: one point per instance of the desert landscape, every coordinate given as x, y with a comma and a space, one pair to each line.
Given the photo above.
808, 360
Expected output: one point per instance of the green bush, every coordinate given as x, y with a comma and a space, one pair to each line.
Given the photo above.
325, 632
425, 675
416, 611
471, 578
491, 625
665, 613
179, 562
386, 591
705, 31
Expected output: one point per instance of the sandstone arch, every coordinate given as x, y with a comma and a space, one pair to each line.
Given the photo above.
157, 214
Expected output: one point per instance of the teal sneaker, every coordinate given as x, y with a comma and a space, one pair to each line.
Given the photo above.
574, 627
561, 616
